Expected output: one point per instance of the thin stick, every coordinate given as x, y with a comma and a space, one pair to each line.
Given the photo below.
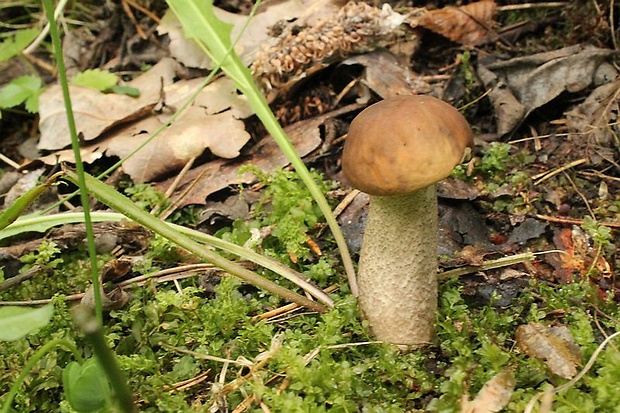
205, 356
599, 175
573, 221
289, 307
487, 265
26, 275
528, 6
185, 384
168, 211
345, 202
476, 100
549, 174
612, 28
9, 161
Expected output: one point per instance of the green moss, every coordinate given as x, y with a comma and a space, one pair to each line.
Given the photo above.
318, 363
288, 210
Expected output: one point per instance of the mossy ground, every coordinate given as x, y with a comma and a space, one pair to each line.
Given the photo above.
305, 362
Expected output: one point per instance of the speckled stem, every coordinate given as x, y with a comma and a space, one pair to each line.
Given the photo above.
398, 267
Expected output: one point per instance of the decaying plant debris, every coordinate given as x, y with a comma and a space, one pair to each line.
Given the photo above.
538, 82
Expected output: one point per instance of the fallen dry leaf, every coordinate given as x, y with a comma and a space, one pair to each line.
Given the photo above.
468, 25
206, 179
386, 77
185, 139
493, 396
96, 112
596, 120
574, 246
211, 122
529, 229
508, 111
554, 345
523, 84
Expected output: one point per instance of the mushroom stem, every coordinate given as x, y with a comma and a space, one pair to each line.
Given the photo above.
398, 267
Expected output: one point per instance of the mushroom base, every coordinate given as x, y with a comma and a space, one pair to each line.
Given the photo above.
397, 272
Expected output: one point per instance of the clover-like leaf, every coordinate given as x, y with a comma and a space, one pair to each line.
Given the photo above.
95, 79
86, 386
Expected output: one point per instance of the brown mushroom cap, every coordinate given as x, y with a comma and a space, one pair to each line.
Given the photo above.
405, 143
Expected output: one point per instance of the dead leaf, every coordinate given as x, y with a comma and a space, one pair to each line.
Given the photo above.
353, 220
96, 112
493, 396
386, 77
183, 50
460, 224
453, 188
206, 179
23, 184
554, 345
113, 298
537, 79
571, 261
595, 121
468, 25
509, 112
212, 122
529, 229
185, 139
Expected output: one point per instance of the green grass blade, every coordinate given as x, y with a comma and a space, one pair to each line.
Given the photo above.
17, 207
119, 202
79, 166
200, 23
38, 223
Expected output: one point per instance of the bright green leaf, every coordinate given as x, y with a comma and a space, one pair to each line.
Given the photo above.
12, 46
86, 386
95, 79
19, 91
32, 103
18, 322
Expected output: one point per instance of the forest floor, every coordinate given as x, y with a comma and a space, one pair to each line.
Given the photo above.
527, 227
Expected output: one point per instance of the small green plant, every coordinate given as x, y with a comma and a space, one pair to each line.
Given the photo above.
86, 387
497, 168
103, 81
602, 238
601, 235
496, 159
287, 206
466, 70
146, 196
22, 90
47, 256
14, 44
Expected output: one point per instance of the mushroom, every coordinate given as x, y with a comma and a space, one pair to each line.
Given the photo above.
396, 151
